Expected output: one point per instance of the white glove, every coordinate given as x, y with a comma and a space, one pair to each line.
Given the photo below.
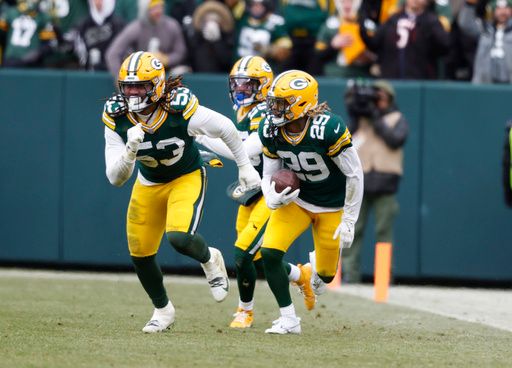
135, 136
275, 200
248, 177
345, 232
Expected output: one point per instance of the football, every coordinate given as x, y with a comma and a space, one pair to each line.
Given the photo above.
285, 178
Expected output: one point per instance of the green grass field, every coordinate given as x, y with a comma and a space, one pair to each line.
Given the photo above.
50, 322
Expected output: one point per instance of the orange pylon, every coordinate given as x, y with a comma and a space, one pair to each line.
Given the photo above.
336, 282
382, 272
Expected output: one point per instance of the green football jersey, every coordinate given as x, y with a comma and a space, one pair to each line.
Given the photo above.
305, 17
168, 151
310, 154
25, 32
66, 14
247, 122
252, 38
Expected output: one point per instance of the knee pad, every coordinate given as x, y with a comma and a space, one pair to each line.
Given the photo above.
179, 240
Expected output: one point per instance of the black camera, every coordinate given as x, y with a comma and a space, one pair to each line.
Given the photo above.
361, 99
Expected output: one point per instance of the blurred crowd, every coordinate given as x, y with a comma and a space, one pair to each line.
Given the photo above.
392, 39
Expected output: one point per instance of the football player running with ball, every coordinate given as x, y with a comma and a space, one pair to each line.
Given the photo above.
151, 125
249, 81
305, 137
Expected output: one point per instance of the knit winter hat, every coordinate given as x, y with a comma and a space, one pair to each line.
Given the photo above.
500, 4
153, 3
384, 86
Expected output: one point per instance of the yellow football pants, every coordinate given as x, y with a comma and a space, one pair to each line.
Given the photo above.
174, 206
288, 222
251, 222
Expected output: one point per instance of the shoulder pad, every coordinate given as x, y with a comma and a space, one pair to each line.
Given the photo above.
338, 136
115, 106
183, 101
256, 115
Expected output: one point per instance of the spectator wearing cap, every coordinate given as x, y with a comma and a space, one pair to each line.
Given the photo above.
379, 131
493, 59
154, 32
410, 43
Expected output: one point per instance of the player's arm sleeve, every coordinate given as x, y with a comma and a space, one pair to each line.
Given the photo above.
252, 145
270, 166
216, 145
207, 122
350, 165
119, 165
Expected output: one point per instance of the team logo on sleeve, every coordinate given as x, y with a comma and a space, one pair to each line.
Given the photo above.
298, 83
157, 64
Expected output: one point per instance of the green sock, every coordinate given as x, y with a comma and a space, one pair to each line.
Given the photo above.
245, 275
152, 280
277, 277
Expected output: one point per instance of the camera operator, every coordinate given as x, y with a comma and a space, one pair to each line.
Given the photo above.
379, 131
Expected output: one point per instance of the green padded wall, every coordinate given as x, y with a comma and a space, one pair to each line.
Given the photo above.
58, 206
31, 165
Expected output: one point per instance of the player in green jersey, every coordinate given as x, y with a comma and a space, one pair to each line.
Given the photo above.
263, 33
249, 81
305, 137
29, 34
151, 124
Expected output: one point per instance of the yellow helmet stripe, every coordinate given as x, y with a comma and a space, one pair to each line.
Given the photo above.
244, 64
134, 60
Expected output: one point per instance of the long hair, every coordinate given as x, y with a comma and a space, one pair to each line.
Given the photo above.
318, 109
170, 85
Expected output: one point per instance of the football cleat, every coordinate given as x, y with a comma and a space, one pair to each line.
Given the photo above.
285, 325
243, 318
161, 320
304, 285
216, 275
317, 284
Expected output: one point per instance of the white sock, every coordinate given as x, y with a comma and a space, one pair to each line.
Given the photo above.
294, 274
288, 311
246, 306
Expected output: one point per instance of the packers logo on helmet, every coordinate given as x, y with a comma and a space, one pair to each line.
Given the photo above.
299, 83
141, 71
291, 95
249, 80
